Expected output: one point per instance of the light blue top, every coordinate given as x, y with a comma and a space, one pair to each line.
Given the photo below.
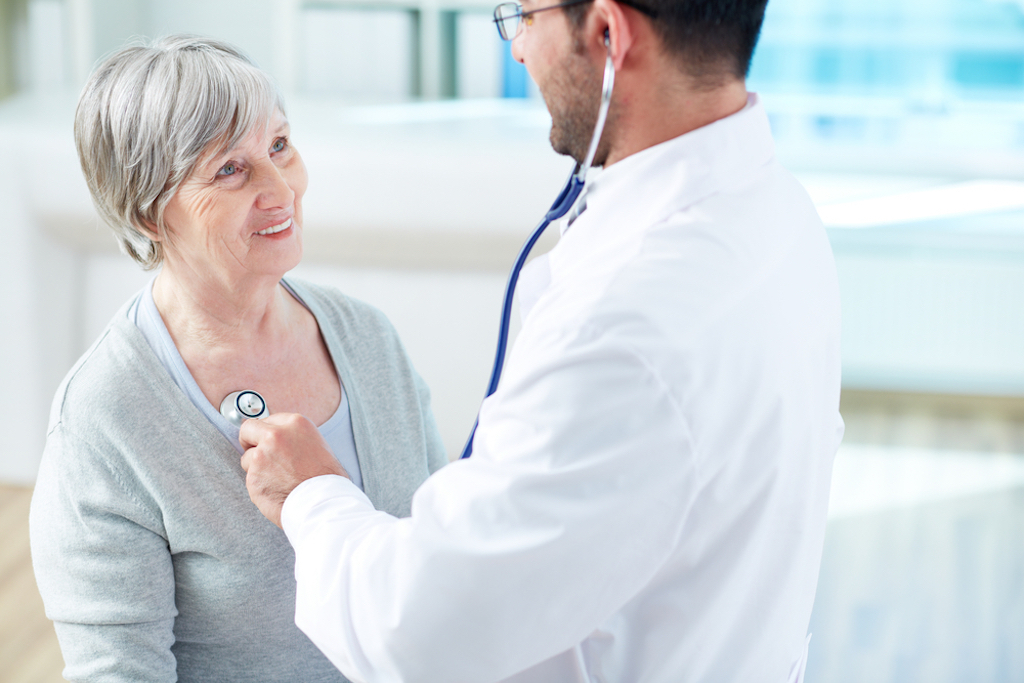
337, 431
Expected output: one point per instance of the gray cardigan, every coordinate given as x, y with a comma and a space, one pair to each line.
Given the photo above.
152, 562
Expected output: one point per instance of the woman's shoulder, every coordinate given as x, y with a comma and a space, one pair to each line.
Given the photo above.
119, 414
112, 379
341, 314
93, 424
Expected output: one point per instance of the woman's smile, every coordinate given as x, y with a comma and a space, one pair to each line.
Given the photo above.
276, 229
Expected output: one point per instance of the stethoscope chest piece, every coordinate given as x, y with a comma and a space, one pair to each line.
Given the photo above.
240, 406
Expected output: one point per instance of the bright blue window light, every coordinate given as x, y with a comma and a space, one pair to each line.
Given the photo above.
515, 79
913, 49
992, 70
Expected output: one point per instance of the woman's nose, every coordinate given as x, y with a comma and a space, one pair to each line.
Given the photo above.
275, 188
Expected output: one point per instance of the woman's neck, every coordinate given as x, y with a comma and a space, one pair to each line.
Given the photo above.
248, 333
206, 314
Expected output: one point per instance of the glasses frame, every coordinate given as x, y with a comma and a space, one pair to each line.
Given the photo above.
526, 18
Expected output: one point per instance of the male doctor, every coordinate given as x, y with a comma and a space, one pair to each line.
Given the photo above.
647, 495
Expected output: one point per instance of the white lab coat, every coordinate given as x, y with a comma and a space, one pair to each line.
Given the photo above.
647, 496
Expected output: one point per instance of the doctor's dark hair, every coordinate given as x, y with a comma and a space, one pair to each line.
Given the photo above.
149, 113
712, 38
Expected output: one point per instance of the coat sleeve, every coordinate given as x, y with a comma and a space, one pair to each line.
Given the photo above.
103, 568
574, 496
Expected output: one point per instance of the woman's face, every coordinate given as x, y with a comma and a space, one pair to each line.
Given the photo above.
240, 212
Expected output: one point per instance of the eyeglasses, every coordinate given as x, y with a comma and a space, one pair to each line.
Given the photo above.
509, 17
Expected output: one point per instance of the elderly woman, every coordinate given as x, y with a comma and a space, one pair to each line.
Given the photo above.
152, 562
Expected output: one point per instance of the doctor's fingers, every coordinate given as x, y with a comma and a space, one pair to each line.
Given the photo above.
250, 459
273, 430
266, 493
288, 449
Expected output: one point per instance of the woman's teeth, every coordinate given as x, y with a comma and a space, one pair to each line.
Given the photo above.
276, 228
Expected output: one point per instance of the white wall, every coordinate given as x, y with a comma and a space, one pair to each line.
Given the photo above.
48, 61
252, 25
479, 54
40, 328
933, 321
357, 54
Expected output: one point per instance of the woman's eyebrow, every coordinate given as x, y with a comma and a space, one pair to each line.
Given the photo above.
214, 161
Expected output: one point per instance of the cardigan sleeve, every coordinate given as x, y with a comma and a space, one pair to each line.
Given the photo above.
103, 567
437, 456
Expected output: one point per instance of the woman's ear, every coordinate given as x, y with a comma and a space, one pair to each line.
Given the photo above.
149, 229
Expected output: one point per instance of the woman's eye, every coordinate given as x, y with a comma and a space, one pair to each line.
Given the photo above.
279, 144
228, 169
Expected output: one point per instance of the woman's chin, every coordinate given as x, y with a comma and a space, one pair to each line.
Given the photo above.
280, 251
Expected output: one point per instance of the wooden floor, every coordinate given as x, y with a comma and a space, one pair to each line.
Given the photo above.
28, 646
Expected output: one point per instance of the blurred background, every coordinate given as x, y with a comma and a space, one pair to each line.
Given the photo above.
428, 158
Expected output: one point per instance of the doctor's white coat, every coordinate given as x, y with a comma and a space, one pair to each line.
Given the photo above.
646, 501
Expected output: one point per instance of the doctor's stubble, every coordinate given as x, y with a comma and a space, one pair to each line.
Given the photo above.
573, 98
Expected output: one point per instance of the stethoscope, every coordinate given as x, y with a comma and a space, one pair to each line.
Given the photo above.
240, 406
565, 200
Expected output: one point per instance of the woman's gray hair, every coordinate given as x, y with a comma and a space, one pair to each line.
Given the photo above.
149, 113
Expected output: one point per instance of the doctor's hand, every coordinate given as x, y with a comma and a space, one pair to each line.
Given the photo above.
283, 450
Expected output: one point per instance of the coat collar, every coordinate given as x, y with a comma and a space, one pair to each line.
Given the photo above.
680, 172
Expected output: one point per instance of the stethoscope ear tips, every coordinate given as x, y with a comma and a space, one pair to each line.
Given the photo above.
240, 406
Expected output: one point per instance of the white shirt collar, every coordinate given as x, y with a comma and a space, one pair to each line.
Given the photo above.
696, 165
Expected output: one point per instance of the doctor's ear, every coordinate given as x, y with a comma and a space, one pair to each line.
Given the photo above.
616, 31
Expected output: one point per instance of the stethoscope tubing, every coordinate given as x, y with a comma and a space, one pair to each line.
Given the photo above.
565, 200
